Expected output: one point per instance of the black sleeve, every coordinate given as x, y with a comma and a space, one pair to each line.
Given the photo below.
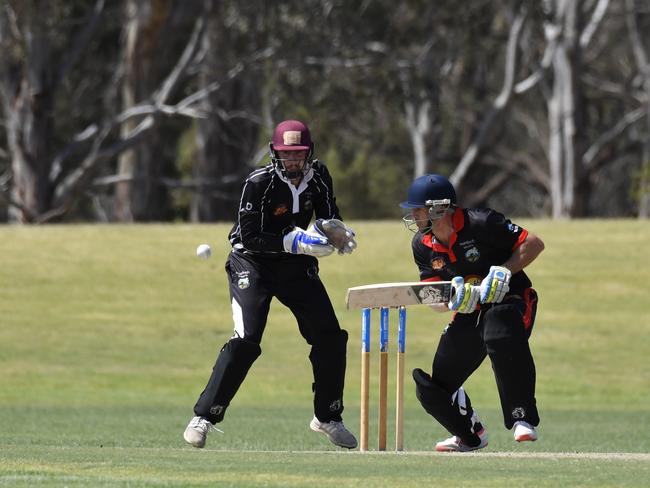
325, 206
251, 212
498, 231
421, 256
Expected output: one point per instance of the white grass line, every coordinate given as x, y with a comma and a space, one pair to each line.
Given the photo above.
603, 456
607, 456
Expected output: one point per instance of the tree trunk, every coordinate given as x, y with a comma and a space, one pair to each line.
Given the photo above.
643, 63
227, 138
418, 121
27, 92
570, 185
141, 197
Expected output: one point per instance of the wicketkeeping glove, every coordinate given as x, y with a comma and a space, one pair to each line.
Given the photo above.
464, 296
495, 285
338, 234
299, 241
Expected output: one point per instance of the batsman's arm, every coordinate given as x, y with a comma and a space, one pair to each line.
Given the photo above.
525, 253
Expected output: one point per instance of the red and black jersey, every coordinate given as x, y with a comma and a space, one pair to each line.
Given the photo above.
271, 206
481, 238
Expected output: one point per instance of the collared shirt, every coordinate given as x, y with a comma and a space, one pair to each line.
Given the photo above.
480, 238
270, 206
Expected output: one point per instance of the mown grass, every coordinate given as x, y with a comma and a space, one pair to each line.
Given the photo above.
109, 333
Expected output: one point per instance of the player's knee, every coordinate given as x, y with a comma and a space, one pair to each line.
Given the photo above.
333, 344
241, 350
333, 341
428, 392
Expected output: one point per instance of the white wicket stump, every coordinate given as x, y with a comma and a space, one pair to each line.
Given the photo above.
383, 379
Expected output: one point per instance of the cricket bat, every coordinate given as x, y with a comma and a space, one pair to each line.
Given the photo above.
399, 294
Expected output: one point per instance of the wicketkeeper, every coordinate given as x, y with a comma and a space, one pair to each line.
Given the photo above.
274, 254
483, 254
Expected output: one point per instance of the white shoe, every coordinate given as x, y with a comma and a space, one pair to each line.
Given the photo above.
196, 431
524, 432
335, 432
454, 444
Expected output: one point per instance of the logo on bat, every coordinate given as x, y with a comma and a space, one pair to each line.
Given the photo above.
430, 295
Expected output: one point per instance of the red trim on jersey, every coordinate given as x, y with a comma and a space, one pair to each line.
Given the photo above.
522, 238
529, 299
457, 222
433, 278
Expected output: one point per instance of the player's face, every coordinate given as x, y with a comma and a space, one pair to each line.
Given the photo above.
421, 217
293, 160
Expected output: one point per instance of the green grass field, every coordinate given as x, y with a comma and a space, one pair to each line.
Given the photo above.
109, 333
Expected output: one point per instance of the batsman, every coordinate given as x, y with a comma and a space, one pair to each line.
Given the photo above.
483, 254
275, 253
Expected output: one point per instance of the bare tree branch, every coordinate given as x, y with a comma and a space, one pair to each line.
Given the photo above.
494, 182
610, 135
594, 23
80, 43
552, 34
193, 183
172, 80
159, 97
493, 117
146, 109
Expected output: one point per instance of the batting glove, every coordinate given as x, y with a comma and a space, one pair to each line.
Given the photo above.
464, 297
495, 285
299, 241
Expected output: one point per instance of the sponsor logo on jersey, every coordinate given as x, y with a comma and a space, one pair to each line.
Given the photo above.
280, 210
473, 280
472, 255
437, 263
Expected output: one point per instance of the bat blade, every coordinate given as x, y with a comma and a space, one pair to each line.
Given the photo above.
398, 294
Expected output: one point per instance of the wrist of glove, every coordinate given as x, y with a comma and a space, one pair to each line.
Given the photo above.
338, 234
495, 285
299, 241
464, 297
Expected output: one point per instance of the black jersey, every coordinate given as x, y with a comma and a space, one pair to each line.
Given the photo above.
481, 238
271, 206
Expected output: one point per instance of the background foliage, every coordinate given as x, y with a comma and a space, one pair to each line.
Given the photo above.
154, 110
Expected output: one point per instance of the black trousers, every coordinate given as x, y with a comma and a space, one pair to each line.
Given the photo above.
254, 281
500, 331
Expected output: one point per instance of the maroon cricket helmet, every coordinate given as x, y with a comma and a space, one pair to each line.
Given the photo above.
291, 135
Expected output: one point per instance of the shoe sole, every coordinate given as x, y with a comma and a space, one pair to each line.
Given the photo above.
193, 444
316, 429
526, 438
451, 449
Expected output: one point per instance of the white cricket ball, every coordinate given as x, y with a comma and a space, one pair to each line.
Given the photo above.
203, 251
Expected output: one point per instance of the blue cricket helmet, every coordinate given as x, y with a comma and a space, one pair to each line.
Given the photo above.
427, 188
